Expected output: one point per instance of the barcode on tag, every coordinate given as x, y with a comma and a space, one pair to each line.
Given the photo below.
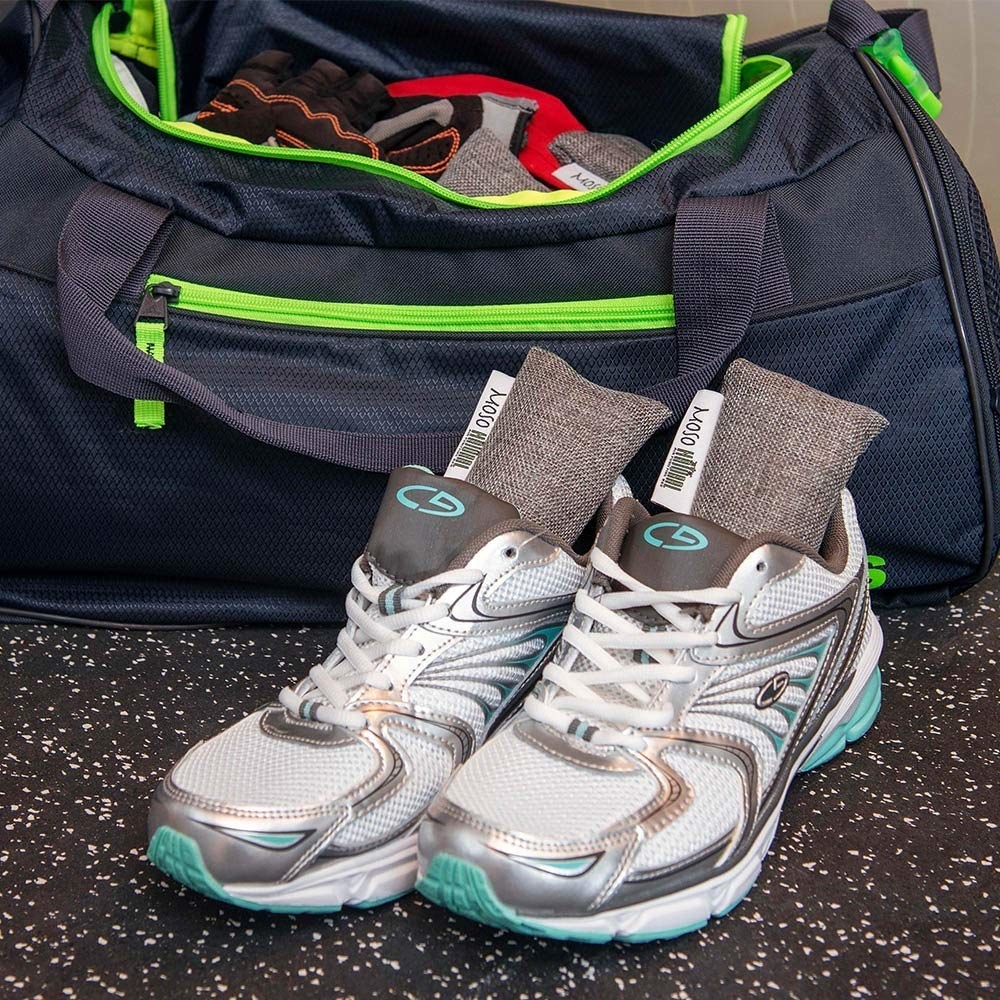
678, 481
678, 470
484, 417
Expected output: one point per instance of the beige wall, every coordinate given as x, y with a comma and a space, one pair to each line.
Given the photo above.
967, 36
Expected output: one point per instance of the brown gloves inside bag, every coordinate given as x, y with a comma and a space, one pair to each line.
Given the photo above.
327, 108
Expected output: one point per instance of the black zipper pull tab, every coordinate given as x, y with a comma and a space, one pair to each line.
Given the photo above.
120, 18
155, 303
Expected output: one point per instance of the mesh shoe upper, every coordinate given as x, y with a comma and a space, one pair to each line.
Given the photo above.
244, 767
564, 781
428, 762
354, 753
517, 785
467, 670
716, 808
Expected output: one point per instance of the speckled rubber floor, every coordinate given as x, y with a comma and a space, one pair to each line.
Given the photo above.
881, 881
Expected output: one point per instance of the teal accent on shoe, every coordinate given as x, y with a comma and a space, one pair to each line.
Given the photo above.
786, 710
572, 865
464, 888
854, 728
179, 856
548, 634
777, 740
438, 504
277, 841
683, 538
556, 866
805, 683
370, 904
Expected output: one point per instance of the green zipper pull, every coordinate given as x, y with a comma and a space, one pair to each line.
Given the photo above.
888, 51
150, 337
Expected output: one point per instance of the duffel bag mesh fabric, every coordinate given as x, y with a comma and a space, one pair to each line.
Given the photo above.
320, 317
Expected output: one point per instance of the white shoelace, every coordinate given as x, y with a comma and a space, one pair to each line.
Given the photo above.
367, 641
578, 697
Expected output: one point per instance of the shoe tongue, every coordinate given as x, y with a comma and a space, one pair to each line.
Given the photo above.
676, 551
425, 521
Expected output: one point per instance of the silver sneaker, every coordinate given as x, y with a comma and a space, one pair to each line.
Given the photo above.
639, 789
312, 803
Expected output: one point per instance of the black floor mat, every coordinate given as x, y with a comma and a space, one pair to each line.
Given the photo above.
881, 880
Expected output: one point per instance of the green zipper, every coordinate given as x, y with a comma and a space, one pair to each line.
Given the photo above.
165, 297
153, 47
779, 70
166, 79
640, 312
732, 57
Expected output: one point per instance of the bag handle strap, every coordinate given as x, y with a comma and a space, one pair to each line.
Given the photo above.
106, 235
727, 265
854, 22
719, 280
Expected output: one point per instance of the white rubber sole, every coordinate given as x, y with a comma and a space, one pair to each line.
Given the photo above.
362, 880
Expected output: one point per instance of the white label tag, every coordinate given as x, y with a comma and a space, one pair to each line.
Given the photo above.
483, 418
578, 177
678, 481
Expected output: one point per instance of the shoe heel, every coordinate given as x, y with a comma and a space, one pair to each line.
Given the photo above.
853, 728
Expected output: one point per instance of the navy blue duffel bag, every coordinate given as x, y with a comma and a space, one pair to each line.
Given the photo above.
211, 353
